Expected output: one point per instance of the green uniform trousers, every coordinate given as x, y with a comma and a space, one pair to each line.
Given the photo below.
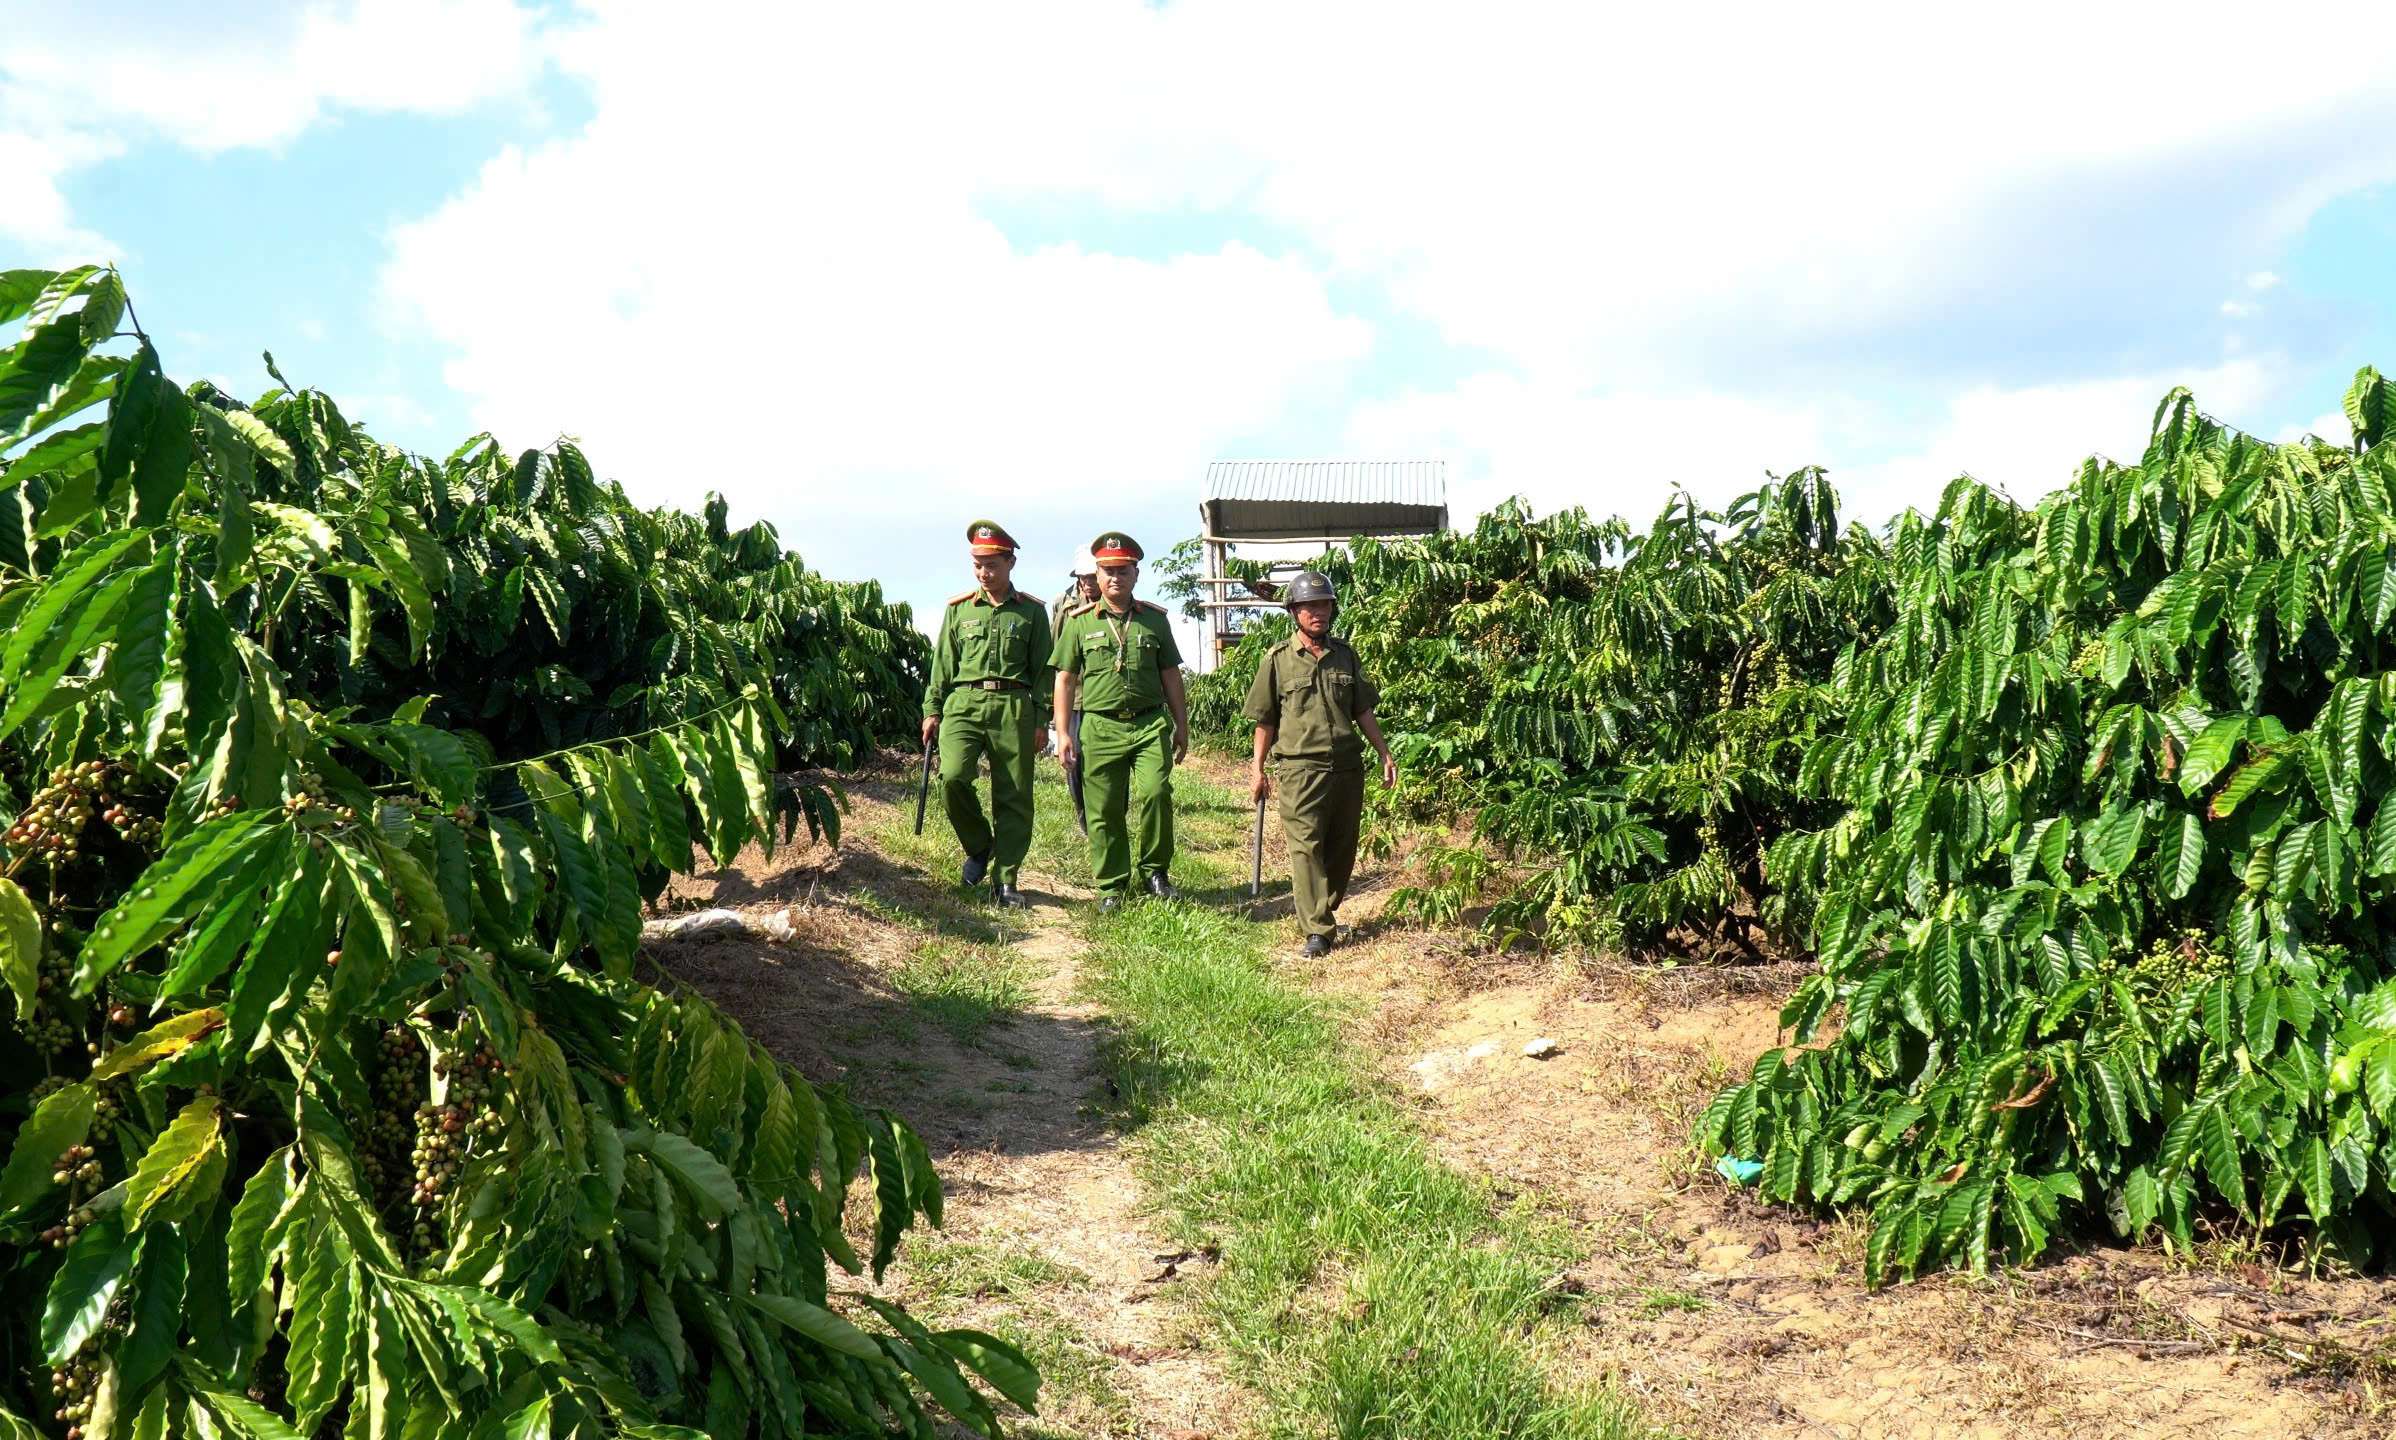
999, 724
1320, 807
1125, 764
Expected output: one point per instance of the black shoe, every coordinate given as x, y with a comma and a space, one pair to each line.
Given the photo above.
1008, 897
1109, 903
1317, 946
976, 866
1162, 888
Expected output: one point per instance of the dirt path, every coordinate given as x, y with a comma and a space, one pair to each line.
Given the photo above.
967, 1023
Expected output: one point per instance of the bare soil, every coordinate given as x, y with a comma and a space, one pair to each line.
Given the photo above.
1047, 1239
1725, 1317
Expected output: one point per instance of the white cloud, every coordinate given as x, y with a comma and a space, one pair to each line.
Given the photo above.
2332, 426
2239, 309
382, 413
2031, 439
1624, 452
216, 78
36, 224
760, 270
1616, 453
2262, 280
1606, 190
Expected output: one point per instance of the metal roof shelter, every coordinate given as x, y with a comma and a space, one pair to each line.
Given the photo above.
1306, 502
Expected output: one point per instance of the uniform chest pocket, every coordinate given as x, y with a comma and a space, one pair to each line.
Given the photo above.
972, 636
1339, 691
1011, 637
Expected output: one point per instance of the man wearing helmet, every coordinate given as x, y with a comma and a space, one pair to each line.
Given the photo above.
1083, 591
1313, 710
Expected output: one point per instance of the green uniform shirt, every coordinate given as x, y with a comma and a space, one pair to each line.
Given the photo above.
982, 641
1121, 658
1313, 704
1061, 608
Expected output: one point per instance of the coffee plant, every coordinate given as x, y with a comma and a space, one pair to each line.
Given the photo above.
1622, 713
2078, 804
335, 776
2101, 911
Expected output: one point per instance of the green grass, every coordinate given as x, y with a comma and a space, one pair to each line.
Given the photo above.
1075, 1375
964, 988
955, 914
964, 1268
1366, 1289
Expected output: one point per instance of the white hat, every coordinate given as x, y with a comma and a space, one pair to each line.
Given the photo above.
1085, 563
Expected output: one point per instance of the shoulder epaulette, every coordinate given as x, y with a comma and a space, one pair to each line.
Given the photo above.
961, 599
1150, 605
1082, 609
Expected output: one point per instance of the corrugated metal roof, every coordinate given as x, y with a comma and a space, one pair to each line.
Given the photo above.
1335, 482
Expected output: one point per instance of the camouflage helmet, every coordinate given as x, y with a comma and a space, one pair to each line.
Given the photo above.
1309, 585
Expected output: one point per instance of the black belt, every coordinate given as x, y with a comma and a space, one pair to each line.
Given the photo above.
994, 685
1126, 714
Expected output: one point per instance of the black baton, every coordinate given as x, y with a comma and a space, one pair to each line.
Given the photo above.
1073, 777
1256, 854
923, 792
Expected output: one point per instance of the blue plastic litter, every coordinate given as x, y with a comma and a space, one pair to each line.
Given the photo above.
1737, 1171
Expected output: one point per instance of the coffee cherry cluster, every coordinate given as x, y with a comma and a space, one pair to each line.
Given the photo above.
57, 820
398, 1085
45, 1029
54, 820
48, 1032
78, 1174
445, 1131
309, 802
75, 1384
2171, 965
61, 1235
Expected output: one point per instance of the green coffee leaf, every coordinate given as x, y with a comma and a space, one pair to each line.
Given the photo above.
816, 1324
97, 1261
20, 945
63, 1118
185, 1150
180, 884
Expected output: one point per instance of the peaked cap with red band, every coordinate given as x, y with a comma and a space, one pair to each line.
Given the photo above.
1116, 548
988, 537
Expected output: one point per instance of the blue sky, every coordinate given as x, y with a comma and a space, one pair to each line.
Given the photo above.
876, 271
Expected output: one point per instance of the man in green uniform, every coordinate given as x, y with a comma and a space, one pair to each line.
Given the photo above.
989, 696
1313, 709
1120, 670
